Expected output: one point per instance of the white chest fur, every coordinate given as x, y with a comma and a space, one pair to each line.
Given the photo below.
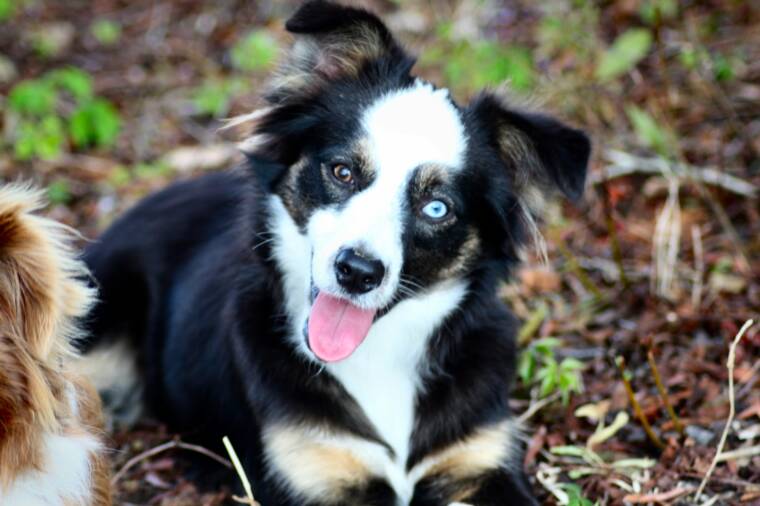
382, 374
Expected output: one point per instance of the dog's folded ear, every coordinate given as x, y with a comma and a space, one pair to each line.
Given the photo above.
333, 41
539, 151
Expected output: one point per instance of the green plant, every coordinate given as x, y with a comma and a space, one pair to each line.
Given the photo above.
626, 52
58, 107
568, 26
149, 170
575, 495
106, 32
650, 133
255, 51
538, 365
95, 122
653, 12
7, 9
470, 65
213, 97
58, 192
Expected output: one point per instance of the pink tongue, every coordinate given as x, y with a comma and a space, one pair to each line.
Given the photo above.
337, 327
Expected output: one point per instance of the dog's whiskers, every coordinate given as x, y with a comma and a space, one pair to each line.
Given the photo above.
260, 244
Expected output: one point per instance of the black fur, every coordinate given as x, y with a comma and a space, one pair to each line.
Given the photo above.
188, 275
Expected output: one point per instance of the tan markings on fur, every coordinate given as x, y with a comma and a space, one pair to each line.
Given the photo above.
361, 150
111, 368
314, 468
429, 176
529, 180
468, 252
41, 295
288, 192
487, 449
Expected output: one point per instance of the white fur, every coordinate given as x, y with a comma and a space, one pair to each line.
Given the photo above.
403, 130
64, 478
383, 373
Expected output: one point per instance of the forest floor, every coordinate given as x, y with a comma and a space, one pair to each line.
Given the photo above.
651, 276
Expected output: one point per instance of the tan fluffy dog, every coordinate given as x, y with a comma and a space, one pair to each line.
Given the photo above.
50, 419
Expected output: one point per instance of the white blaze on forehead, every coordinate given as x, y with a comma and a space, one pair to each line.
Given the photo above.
412, 126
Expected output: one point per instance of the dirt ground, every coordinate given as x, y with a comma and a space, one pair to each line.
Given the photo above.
650, 278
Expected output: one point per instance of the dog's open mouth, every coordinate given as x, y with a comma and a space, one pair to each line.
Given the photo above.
336, 327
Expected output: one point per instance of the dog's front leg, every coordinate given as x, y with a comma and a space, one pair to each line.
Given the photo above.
497, 487
501, 487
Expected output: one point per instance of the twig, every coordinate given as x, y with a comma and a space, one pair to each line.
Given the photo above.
667, 238
241, 473
739, 453
617, 253
658, 497
575, 268
699, 176
699, 266
731, 406
623, 164
620, 361
531, 326
664, 393
170, 445
537, 406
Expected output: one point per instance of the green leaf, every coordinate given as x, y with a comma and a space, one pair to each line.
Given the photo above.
58, 192
572, 364
214, 96
486, 63
649, 132
7, 9
106, 32
151, 170
119, 176
39, 139
256, 51
75, 81
575, 495
33, 97
723, 69
626, 52
654, 11
526, 366
94, 123
51, 138
545, 346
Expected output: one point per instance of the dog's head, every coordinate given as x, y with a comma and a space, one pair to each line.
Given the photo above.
397, 187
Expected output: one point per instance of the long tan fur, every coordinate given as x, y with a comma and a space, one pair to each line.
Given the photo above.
42, 293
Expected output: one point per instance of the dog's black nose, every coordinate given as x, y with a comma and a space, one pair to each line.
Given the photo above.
358, 274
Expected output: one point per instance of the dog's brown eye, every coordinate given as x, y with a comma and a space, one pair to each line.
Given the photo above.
343, 173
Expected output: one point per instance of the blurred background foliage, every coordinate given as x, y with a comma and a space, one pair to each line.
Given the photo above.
103, 101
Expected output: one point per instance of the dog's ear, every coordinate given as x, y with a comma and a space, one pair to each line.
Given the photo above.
540, 152
333, 41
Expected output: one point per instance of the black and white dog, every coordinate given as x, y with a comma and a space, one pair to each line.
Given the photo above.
332, 307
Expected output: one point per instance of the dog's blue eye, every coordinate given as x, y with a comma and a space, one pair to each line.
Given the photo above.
435, 209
